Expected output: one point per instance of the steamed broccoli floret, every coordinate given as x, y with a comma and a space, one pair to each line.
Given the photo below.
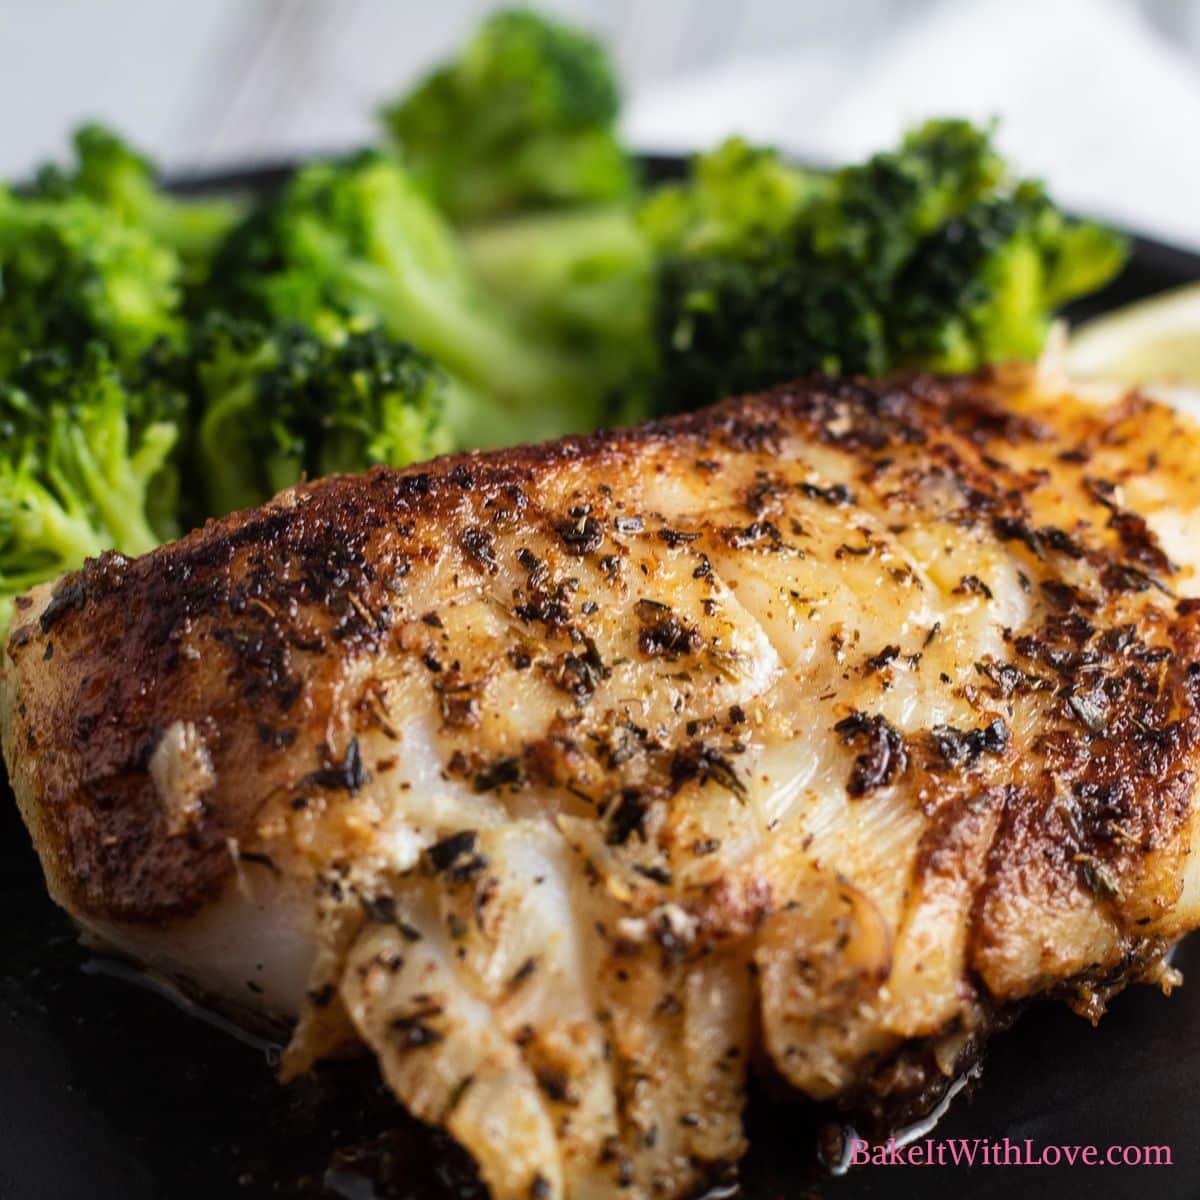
582, 273
727, 326
276, 405
870, 218
984, 286
111, 173
737, 200
523, 117
582, 279
85, 466
359, 238
928, 256
70, 274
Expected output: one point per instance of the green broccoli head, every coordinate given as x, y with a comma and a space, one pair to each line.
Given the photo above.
86, 465
340, 238
278, 404
728, 326
359, 239
870, 217
523, 117
930, 255
112, 174
984, 286
736, 201
69, 274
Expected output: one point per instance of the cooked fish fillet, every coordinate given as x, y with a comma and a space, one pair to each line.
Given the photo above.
819, 730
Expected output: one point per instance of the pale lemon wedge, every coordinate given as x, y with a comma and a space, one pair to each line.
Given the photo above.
1155, 341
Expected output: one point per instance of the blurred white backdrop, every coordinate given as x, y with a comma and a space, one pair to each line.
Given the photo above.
1102, 97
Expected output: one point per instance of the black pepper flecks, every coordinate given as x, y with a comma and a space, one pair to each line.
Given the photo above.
884, 757
348, 775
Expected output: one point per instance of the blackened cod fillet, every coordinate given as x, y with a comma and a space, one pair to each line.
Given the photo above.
822, 728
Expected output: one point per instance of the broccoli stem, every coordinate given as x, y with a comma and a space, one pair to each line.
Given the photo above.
580, 273
50, 534
532, 383
119, 493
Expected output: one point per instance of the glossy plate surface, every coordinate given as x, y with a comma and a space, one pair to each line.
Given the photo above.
108, 1092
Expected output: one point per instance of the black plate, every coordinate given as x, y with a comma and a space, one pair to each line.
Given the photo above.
107, 1092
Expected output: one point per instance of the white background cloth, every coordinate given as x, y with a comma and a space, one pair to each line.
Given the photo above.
1101, 97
